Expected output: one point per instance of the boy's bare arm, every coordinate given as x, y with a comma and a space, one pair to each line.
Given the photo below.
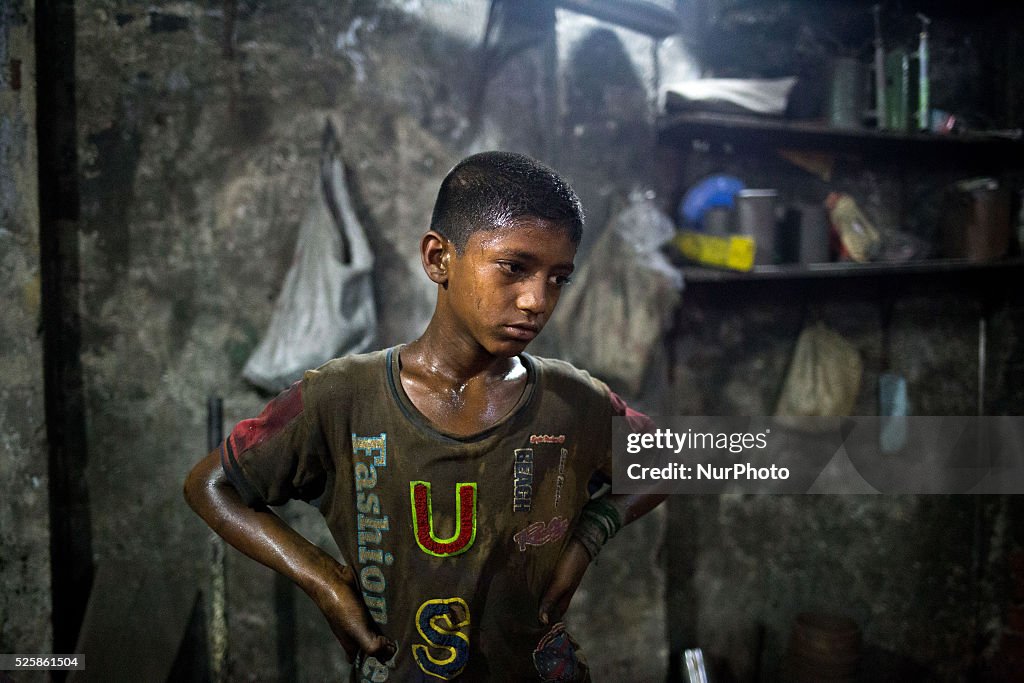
575, 559
264, 537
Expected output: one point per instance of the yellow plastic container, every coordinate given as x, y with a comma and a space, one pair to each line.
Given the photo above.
735, 252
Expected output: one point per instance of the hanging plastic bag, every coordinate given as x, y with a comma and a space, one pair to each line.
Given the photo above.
612, 318
326, 305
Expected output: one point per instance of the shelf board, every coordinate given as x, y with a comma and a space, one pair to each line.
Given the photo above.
746, 131
637, 15
952, 267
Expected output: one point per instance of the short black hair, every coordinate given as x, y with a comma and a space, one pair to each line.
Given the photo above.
490, 190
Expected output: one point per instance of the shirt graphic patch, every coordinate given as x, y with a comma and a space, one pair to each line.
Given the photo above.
372, 670
560, 481
444, 624
540, 533
547, 438
522, 488
556, 657
375, 447
423, 520
369, 454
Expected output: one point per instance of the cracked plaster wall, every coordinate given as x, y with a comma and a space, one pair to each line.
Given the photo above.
24, 514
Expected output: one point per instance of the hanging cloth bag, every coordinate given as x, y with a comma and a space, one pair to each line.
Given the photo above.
326, 305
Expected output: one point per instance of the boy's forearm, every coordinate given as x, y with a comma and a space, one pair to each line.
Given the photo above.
260, 534
603, 517
266, 538
594, 528
632, 506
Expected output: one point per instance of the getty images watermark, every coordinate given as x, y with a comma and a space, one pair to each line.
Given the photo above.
820, 455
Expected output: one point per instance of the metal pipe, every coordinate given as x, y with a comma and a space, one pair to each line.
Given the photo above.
923, 110
982, 360
696, 672
881, 113
218, 630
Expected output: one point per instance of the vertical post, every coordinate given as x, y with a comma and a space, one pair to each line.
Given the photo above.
923, 105
218, 629
881, 108
682, 548
982, 360
70, 525
287, 624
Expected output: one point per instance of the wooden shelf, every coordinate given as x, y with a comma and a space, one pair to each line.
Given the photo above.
746, 132
977, 152
933, 267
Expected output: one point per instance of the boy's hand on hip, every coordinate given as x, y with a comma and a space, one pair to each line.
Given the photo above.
266, 538
566, 578
350, 621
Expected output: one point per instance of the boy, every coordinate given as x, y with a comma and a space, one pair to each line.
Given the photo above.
452, 471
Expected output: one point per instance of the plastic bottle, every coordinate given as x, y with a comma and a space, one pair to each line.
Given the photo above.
859, 239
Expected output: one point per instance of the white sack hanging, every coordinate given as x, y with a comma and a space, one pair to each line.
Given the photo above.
326, 306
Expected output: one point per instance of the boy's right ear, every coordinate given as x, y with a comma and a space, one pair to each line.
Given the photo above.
435, 253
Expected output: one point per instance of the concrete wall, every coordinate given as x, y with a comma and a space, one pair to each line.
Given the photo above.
24, 516
925, 577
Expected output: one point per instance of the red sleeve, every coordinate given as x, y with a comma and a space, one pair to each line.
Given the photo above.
638, 422
272, 458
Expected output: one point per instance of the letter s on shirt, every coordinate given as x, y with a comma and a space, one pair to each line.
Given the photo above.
444, 624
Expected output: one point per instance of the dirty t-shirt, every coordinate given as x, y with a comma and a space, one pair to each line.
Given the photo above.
453, 539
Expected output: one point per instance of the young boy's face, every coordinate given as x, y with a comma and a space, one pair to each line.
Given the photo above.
504, 287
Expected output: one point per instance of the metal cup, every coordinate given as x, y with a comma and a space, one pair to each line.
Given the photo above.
756, 211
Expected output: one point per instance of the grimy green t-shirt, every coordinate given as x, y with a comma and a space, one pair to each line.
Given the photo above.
453, 539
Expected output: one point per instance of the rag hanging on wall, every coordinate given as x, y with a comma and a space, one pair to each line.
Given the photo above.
326, 305
622, 301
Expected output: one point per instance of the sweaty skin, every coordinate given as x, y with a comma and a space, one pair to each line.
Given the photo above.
265, 537
464, 375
